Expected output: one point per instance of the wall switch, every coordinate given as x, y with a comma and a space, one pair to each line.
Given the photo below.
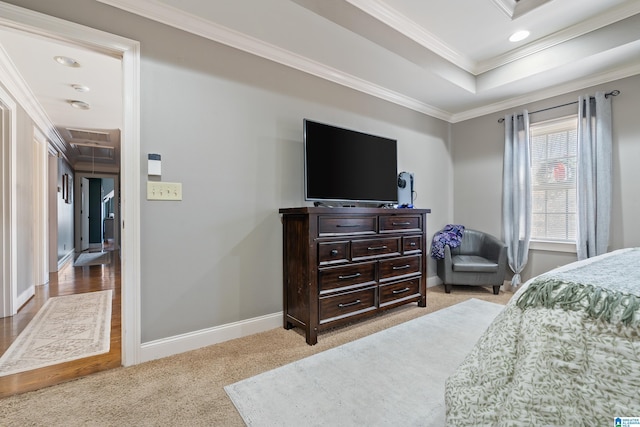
164, 190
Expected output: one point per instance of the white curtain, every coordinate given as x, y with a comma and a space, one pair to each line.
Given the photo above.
594, 175
516, 201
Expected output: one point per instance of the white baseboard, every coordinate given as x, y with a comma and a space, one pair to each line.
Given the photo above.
25, 296
193, 340
433, 281
65, 259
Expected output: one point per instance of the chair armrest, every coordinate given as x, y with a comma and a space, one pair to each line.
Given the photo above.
492, 247
495, 250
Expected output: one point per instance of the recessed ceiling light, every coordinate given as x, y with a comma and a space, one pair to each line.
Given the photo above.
518, 36
80, 105
66, 61
80, 88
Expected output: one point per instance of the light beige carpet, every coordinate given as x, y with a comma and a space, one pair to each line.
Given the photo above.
188, 389
65, 328
86, 259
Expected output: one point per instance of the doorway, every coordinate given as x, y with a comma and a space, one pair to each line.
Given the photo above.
97, 210
16, 18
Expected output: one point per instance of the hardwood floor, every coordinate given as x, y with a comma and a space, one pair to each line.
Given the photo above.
70, 280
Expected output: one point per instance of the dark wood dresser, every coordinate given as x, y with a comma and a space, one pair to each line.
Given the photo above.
344, 264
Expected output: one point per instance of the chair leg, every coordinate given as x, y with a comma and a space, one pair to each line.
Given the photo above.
496, 290
447, 288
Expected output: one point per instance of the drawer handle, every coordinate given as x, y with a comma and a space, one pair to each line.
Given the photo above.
400, 291
334, 252
401, 223
347, 225
376, 248
349, 276
401, 267
349, 304
412, 244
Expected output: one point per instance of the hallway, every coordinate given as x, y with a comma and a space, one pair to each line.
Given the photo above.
70, 280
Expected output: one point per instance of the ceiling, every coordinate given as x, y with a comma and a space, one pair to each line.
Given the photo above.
448, 59
90, 137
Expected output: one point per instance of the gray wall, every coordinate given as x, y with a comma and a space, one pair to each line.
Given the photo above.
478, 146
229, 128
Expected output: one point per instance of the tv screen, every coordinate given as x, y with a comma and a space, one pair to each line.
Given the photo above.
343, 165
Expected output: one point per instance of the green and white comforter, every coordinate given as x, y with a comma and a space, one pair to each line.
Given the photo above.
565, 351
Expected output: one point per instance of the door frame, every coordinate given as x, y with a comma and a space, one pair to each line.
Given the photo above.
40, 208
8, 206
79, 176
14, 17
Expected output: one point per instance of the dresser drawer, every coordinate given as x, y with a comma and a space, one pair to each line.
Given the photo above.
375, 248
393, 223
338, 225
411, 244
396, 292
397, 267
334, 278
333, 252
339, 306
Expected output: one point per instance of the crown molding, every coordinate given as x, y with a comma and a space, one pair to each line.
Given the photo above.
174, 17
402, 24
541, 95
23, 96
181, 20
610, 17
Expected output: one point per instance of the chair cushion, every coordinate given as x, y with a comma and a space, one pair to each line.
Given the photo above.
473, 263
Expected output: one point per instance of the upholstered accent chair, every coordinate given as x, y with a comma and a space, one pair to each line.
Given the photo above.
479, 260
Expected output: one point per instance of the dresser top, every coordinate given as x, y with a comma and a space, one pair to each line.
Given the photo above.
321, 210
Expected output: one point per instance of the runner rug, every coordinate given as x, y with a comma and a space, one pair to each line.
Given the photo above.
395, 377
92, 258
65, 328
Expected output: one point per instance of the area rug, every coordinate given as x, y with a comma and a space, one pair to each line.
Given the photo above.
65, 328
92, 258
391, 378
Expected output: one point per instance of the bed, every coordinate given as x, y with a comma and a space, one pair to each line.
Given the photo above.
565, 351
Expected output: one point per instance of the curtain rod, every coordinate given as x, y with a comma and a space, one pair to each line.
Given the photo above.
606, 95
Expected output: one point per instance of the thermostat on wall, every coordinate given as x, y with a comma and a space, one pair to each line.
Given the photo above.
155, 165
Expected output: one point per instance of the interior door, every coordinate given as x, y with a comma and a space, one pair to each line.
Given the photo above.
84, 214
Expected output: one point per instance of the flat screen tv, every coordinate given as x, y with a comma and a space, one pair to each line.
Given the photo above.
346, 166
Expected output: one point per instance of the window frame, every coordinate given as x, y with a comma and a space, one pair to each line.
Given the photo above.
546, 127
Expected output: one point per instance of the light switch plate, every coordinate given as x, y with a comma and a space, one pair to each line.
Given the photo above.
164, 190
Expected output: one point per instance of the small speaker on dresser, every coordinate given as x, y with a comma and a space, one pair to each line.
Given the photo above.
405, 190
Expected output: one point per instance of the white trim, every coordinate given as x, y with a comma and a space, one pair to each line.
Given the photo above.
25, 296
181, 20
20, 90
130, 200
8, 215
584, 27
40, 208
402, 24
66, 259
543, 245
433, 281
129, 50
542, 95
193, 340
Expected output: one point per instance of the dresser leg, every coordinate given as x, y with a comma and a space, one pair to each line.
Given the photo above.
288, 325
312, 336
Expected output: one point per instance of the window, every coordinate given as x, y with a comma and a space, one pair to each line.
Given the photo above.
553, 163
